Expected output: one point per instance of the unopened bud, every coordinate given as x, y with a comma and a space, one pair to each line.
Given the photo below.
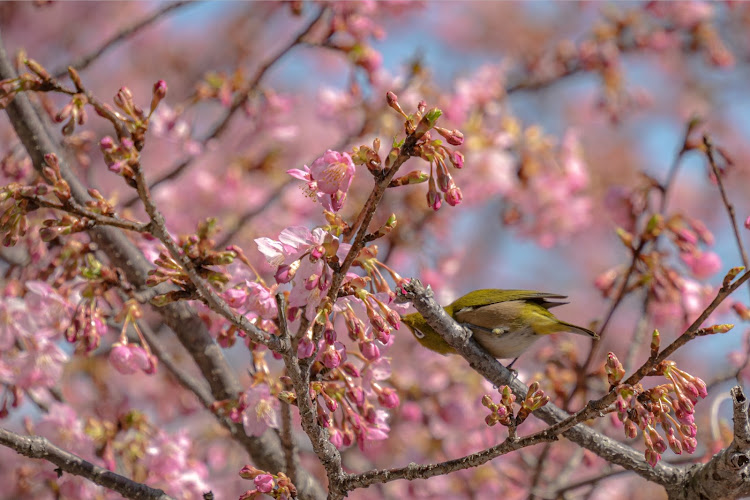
75, 78
742, 311
731, 275
655, 343
625, 237
159, 93
454, 137
37, 69
614, 369
457, 159
392, 101
427, 122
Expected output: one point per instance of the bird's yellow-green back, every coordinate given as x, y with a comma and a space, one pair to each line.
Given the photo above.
494, 313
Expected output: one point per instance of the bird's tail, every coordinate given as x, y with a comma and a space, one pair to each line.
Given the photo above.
579, 330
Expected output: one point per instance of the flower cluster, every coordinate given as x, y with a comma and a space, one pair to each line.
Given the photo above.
131, 442
303, 258
348, 391
672, 295
670, 405
695, 23
345, 408
432, 151
126, 357
503, 412
31, 320
277, 486
543, 182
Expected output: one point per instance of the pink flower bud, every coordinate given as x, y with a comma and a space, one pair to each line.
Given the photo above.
127, 143
336, 437
454, 196
358, 396
434, 198
107, 144
285, 274
329, 335
457, 159
369, 350
160, 89
331, 358
264, 483
652, 457
142, 359
305, 348
388, 398
631, 430
689, 444
121, 359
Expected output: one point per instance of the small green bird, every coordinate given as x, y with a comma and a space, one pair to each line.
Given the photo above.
504, 322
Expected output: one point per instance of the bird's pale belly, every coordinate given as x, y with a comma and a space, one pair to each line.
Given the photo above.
507, 344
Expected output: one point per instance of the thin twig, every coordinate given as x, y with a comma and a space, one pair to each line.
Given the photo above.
84, 61
593, 351
239, 100
590, 481
665, 190
94, 218
159, 230
730, 208
286, 436
425, 471
41, 448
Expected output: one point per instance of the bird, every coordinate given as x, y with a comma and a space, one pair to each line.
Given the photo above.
504, 322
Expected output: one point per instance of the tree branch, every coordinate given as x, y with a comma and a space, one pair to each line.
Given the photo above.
239, 100
84, 61
727, 204
559, 420
41, 448
725, 476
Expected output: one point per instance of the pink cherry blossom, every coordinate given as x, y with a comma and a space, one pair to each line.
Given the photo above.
261, 412
328, 178
261, 300
40, 366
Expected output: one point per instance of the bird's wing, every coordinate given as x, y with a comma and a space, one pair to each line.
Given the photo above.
484, 297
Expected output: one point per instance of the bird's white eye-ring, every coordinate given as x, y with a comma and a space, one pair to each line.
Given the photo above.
418, 334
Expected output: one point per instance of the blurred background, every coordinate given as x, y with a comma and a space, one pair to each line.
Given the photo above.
567, 109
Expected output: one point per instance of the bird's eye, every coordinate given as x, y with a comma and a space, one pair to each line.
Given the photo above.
418, 334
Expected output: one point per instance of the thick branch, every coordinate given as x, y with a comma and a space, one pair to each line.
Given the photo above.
39, 447
725, 476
